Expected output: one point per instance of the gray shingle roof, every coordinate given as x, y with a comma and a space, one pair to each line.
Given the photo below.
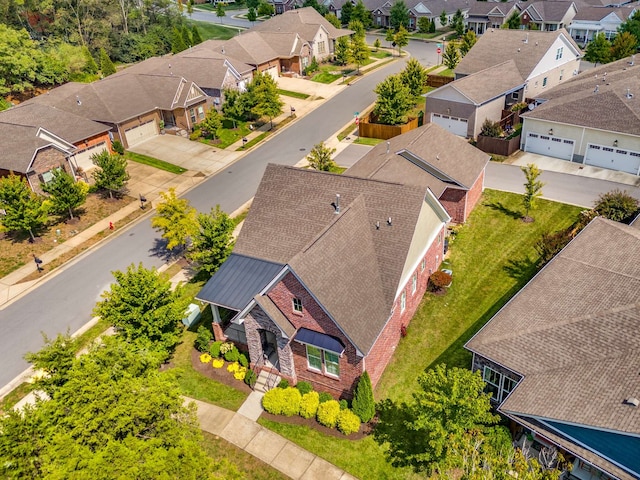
511, 46
549, 11
275, 314
250, 48
23, 142
573, 333
303, 21
576, 101
450, 154
292, 209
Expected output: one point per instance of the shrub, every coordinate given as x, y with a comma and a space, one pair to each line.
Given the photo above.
309, 404
202, 340
242, 360
233, 367
325, 397
240, 373
250, 378
117, 147
218, 363
363, 403
232, 355
284, 383
439, 280
343, 404
292, 399
205, 358
616, 205
491, 129
195, 135
226, 347
304, 387
348, 422
214, 349
273, 401
328, 413
550, 244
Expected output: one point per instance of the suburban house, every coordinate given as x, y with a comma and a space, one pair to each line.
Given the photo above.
347, 259
86, 138
590, 21
132, 105
593, 119
282, 6
548, 16
33, 153
485, 15
430, 157
530, 62
561, 358
431, 9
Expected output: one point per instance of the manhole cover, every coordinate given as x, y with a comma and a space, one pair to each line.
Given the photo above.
302, 149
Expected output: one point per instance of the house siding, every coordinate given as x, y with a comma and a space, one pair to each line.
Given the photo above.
46, 159
95, 140
491, 110
139, 120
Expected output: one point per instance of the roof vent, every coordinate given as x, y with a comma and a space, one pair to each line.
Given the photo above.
336, 204
389, 221
79, 102
629, 94
632, 401
536, 44
388, 146
526, 39
377, 225
595, 90
633, 60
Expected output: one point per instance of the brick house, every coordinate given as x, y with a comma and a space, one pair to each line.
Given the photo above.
325, 272
430, 157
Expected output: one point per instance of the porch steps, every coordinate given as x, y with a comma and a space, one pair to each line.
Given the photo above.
263, 378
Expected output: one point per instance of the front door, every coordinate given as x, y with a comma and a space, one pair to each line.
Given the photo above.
269, 346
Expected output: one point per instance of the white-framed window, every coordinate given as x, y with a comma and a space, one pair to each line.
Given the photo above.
423, 264
414, 283
322, 47
200, 112
403, 301
544, 82
515, 96
559, 53
498, 385
314, 358
297, 305
192, 115
561, 74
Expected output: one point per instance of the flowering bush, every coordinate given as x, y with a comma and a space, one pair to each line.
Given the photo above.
226, 347
233, 367
348, 422
205, 358
240, 373
218, 363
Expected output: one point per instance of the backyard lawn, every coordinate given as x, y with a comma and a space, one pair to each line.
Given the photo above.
209, 31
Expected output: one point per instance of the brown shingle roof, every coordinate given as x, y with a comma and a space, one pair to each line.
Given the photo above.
549, 11
577, 102
448, 153
292, 222
22, 142
303, 21
498, 45
573, 333
249, 48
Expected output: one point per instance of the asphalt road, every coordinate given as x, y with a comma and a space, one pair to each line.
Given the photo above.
66, 300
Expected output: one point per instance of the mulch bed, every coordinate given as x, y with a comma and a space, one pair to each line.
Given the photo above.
218, 374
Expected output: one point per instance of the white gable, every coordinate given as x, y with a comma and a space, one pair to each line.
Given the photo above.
449, 93
549, 61
421, 8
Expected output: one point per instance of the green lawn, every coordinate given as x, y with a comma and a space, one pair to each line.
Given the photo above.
446, 73
492, 257
368, 141
289, 93
379, 54
253, 141
154, 162
325, 77
209, 31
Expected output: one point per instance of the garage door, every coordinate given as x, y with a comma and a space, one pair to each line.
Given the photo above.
143, 132
273, 71
457, 126
83, 157
613, 158
549, 145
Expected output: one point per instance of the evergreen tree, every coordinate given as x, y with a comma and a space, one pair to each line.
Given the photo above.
195, 35
175, 219
342, 51
112, 174
363, 404
213, 241
90, 65
399, 15
252, 16
394, 101
469, 39
177, 41
624, 45
389, 37
424, 24
631, 25
24, 209
451, 56
358, 28
362, 14
106, 65
598, 50
443, 19
432, 27
186, 36
457, 22
345, 12
414, 76
513, 22
55, 359
359, 51
401, 39
376, 44
66, 193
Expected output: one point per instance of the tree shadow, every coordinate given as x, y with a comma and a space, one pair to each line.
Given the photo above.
161, 251
498, 206
521, 270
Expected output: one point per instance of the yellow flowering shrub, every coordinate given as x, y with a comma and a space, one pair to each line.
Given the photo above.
218, 363
233, 367
205, 358
240, 373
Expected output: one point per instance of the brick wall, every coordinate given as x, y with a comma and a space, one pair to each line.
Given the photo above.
453, 200
382, 351
95, 140
314, 318
474, 194
46, 159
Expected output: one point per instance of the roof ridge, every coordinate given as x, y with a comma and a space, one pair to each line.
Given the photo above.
345, 175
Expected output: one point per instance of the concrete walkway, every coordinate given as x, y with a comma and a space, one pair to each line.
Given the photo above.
271, 448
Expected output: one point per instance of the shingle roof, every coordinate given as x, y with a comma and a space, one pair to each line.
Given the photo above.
303, 21
598, 13
436, 147
70, 127
19, 145
549, 11
249, 47
577, 102
482, 8
573, 333
511, 46
292, 209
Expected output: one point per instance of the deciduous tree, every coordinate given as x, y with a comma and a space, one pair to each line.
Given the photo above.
265, 9
399, 15
401, 39
176, 219
24, 210
320, 158
362, 13
211, 123
457, 22
112, 172
321, 9
389, 36
598, 50
513, 22
65, 193
265, 96
532, 188
414, 76
220, 12
424, 25
345, 13
617, 205
624, 45
451, 56
469, 39
212, 242
631, 25
19, 65
55, 359
358, 51
443, 19
394, 101
333, 20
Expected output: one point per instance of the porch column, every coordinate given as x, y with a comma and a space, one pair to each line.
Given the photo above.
218, 333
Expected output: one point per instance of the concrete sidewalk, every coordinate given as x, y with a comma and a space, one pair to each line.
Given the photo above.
266, 445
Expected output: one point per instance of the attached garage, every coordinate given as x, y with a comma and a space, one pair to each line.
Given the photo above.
613, 158
273, 71
457, 126
141, 133
549, 145
83, 157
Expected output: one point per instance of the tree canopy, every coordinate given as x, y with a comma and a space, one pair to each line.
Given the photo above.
65, 193
112, 172
212, 242
24, 209
394, 101
265, 97
598, 50
319, 157
175, 218
532, 187
414, 76
451, 56
399, 15
617, 205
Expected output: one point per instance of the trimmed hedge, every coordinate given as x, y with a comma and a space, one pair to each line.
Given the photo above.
284, 383
214, 349
282, 401
325, 397
232, 355
304, 387
309, 404
242, 360
328, 413
348, 422
292, 399
363, 403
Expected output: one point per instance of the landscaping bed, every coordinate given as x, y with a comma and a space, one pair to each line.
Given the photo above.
218, 374
365, 428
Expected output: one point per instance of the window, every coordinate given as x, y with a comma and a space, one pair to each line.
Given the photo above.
192, 115
201, 111
297, 305
515, 96
423, 264
559, 53
497, 384
561, 74
403, 301
314, 358
332, 363
414, 283
321, 47
544, 82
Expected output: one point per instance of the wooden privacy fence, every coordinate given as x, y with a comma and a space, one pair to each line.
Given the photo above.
438, 80
366, 128
498, 146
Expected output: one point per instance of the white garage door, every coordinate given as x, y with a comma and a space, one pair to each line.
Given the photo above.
613, 158
83, 157
457, 126
143, 132
549, 145
273, 71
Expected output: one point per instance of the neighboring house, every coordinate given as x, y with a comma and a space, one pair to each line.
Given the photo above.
593, 118
431, 9
484, 15
543, 59
33, 153
132, 105
282, 6
548, 16
562, 357
430, 157
87, 137
462, 106
590, 21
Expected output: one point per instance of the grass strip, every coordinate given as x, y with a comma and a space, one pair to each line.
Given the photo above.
253, 141
154, 162
289, 93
